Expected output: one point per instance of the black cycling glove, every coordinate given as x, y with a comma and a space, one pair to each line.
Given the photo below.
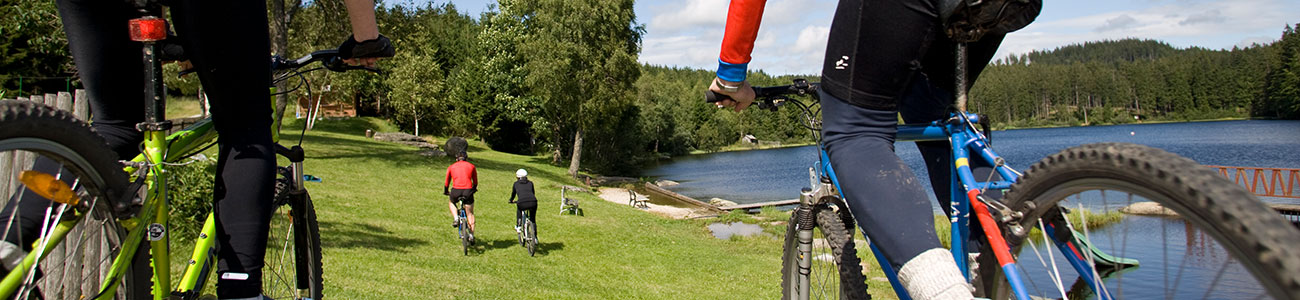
378, 47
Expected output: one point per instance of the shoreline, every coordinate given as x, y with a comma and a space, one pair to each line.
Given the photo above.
620, 196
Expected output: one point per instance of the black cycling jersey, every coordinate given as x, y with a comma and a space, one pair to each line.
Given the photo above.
524, 189
876, 48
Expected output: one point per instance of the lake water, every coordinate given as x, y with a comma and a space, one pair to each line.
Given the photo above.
778, 174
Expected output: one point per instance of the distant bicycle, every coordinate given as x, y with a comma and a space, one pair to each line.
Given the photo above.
462, 227
527, 232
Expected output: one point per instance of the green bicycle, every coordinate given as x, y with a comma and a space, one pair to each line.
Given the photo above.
104, 233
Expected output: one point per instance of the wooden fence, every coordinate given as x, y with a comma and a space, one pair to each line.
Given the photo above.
83, 256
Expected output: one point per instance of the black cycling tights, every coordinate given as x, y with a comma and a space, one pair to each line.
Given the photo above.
519, 212
883, 59
228, 44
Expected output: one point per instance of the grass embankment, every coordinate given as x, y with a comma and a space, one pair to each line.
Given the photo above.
386, 235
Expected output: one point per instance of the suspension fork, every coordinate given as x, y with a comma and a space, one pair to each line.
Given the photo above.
804, 233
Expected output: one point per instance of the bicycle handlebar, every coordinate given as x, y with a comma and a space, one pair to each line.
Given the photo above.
329, 58
767, 97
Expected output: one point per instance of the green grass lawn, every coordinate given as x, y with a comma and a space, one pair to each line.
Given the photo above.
386, 234
182, 107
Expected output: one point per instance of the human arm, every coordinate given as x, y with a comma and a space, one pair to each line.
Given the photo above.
743, 19
366, 46
446, 183
473, 178
513, 191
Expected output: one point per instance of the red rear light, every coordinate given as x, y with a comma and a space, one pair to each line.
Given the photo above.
148, 29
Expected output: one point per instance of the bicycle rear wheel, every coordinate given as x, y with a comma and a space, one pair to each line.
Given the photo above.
1206, 238
462, 228
292, 267
42, 147
530, 231
835, 271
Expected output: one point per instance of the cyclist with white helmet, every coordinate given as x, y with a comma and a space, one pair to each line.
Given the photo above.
523, 188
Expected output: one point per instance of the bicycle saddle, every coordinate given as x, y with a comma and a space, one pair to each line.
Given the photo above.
969, 20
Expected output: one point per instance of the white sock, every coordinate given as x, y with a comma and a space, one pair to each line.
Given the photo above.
934, 275
11, 255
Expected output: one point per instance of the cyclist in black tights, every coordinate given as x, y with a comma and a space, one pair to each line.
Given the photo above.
879, 65
227, 42
523, 188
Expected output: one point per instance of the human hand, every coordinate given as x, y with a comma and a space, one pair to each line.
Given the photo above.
366, 53
739, 99
445, 192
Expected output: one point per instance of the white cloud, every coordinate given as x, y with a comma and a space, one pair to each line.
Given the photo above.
685, 14
1219, 24
1116, 23
791, 39
812, 38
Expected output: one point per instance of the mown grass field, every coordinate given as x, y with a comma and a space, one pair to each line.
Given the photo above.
386, 234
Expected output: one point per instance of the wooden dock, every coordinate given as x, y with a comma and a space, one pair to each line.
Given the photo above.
681, 198
1289, 211
760, 205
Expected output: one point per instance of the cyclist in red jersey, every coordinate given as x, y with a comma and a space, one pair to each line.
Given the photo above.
884, 58
462, 178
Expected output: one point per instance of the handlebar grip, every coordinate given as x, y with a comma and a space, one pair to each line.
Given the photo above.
336, 64
711, 97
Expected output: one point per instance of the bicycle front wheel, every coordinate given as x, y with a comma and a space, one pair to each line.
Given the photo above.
292, 267
48, 154
1155, 225
835, 271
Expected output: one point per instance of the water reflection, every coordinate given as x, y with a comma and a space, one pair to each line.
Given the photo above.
727, 230
1177, 261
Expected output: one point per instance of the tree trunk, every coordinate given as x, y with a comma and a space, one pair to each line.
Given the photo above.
577, 154
417, 126
279, 28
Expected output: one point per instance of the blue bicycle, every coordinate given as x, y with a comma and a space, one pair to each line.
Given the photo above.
1129, 221
463, 230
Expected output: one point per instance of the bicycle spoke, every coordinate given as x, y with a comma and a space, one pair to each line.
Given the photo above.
1217, 275
1164, 257
1056, 273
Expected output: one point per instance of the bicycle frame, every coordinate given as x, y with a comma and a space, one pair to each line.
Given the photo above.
966, 201
158, 146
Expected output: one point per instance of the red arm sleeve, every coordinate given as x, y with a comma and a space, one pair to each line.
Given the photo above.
447, 182
743, 18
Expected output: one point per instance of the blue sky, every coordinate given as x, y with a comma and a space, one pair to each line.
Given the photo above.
793, 34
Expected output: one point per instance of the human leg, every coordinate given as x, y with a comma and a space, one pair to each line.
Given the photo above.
109, 65
451, 207
469, 212
875, 49
227, 42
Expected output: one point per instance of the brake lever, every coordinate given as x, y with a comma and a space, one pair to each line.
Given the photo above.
336, 64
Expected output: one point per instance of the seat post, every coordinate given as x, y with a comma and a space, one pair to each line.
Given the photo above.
960, 78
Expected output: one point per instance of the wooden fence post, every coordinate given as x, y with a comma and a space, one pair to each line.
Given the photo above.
81, 105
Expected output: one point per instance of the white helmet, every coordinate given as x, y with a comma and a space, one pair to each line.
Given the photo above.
521, 173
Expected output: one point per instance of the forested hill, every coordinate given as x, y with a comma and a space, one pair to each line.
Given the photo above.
1126, 50
1132, 80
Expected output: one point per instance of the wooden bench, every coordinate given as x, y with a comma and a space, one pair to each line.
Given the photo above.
635, 201
569, 205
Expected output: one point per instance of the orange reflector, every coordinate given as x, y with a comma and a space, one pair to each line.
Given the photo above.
148, 29
49, 187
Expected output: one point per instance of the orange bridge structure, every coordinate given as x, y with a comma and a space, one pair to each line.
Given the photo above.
1268, 182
